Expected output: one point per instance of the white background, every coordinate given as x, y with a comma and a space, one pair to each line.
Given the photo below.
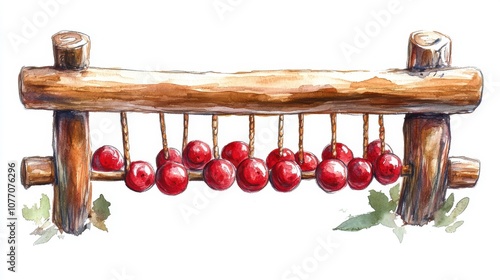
235, 235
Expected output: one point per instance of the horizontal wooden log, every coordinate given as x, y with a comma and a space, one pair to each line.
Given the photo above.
450, 90
37, 171
463, 172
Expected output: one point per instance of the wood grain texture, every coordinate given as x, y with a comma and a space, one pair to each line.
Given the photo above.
71, 143
72, 188
463, 172
427, 142
37, 171
453, 90
71, 50
426, 137
428, 49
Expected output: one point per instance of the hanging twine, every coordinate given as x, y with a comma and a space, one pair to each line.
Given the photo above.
164, 136
251, 135
281, 133
301, 138
186, 130
365, 135
381, 133
333, 120
125, 137
215, 131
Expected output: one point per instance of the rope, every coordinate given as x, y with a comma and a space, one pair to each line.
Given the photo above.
164, 136
381, 133
126, 143
251, 135
365, 135
186, 130
215, 131
281, 133
333, 120
301, 138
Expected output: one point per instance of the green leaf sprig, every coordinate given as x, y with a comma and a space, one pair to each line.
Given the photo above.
384, 213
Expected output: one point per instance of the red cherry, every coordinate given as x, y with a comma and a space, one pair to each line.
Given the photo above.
387, 168
252, 175
140, 177
331, 175
172, 178
274, 156
219, 174
107, 158
374, 150
285, 176
343, 153
196, 154
309, 163
173, 155
359, 173
235, 152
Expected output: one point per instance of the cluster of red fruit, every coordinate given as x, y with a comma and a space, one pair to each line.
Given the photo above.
252, 174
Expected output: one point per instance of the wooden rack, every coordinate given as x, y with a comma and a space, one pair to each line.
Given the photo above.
427, 92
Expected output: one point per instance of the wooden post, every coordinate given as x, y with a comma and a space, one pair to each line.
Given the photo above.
72, 154
427, 138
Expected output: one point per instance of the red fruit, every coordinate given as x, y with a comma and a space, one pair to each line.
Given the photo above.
235, 152
252, 175
274, 156
172, 178
107, 158
140, 177
374, 150
359, 173
343, 153
219, 174
387, 168
331, 175
173, 155
196, 154
285, 176
309, 163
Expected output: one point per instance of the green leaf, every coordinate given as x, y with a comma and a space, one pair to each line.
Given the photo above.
389, 220
37, 214
379, 201
46, 235
98, 223
443, 220
100, 212
440, 217
359, 222
453, 228
459, 208
399, 232
394, 193
448, 204
101, 207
